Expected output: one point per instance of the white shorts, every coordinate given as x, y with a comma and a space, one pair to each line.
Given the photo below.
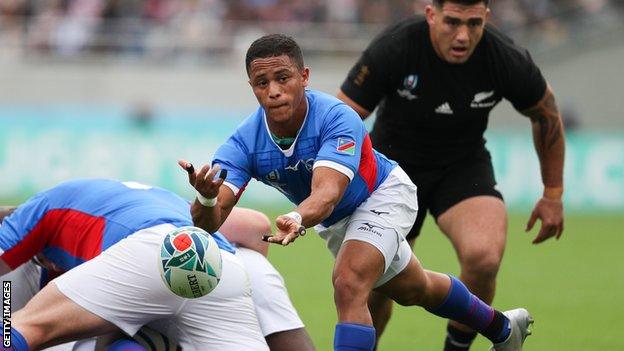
383, 220
275, 311
123, 286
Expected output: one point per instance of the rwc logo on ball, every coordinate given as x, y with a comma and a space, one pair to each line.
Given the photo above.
190, 262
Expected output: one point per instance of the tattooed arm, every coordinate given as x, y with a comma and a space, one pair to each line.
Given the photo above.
548, 137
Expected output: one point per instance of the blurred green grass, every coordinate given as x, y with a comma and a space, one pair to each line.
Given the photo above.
574, 287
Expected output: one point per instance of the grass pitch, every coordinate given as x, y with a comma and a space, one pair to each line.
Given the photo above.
574, 287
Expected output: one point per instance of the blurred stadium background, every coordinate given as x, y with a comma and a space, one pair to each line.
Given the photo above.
105, 88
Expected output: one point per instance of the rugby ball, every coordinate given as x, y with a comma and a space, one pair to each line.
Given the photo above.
190, 262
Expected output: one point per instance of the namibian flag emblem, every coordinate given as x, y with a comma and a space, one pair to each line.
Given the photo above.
346, 146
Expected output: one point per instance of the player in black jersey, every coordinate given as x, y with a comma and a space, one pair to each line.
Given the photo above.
434, 82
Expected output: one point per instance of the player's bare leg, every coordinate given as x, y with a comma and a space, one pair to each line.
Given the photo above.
477, 229
51, 318
447, 297
358, 266
380, 307
288, 340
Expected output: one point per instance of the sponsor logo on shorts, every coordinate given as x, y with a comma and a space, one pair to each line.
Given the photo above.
370, 228
379, 213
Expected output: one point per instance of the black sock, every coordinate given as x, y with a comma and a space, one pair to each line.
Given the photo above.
498, 330
458, 340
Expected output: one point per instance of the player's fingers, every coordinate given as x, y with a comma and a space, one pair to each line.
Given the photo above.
560, 231
201, 176
531, 221
274, 239
289, 239
221, 178
546, 232
223, 174
190, 170
213, 171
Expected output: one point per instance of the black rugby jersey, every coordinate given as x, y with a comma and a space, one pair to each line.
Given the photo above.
432, 113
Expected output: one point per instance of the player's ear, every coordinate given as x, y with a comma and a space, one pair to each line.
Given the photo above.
487, 14
305, 75
430, 14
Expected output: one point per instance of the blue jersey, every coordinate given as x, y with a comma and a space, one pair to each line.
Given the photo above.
332, 135
77, 220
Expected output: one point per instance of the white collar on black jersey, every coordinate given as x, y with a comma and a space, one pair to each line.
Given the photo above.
288, 152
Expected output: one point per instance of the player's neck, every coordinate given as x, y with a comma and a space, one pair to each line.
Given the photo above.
290, 128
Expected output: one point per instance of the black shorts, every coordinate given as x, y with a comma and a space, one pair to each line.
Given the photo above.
442, 188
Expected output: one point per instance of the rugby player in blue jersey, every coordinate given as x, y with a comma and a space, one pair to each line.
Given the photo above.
315, 150
76, 221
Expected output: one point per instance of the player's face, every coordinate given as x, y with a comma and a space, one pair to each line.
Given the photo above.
456, 29
279, 86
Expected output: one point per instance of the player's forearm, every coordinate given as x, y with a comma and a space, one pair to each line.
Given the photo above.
550, 150
316, 208
206, 218
549, 141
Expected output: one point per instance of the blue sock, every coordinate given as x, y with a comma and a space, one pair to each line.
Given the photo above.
18, 342
125, 345
462, 306
354, 337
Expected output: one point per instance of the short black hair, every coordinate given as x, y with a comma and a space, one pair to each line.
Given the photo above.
440, 3
273, 45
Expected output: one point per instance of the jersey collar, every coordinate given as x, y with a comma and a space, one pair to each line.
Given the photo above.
288, 152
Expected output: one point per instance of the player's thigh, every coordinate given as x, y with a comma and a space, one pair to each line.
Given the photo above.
477, 228
273, 306
383, 221
40, 320
408, 286
123, 284
470, 210
225, 318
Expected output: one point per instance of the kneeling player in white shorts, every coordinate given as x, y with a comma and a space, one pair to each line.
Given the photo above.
280, 324
120, 288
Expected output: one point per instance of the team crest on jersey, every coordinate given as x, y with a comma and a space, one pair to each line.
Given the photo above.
273, 176
409, 83
346, 146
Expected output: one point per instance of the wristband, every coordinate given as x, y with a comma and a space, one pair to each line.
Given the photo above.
206, 202
554, 193
296, 216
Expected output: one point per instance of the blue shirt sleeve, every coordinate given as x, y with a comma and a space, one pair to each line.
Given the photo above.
342, 137
16, 227
233, 157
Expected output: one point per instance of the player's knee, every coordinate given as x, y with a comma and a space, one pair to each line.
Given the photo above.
349, 286
481, 262
263, 222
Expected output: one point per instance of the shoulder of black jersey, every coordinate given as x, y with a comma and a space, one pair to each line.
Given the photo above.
397, 33
503, 44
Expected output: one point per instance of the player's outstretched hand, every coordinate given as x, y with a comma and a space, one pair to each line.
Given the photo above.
550, 212
204, 180
288, 230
